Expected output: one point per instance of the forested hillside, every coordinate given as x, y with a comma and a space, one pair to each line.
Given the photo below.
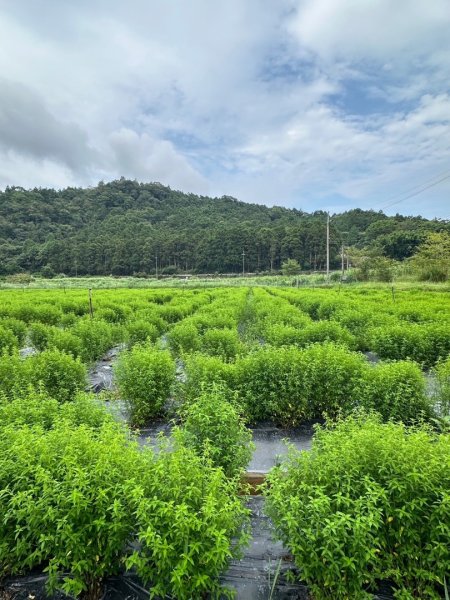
121, 227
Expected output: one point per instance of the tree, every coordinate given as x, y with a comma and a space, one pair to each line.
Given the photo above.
432, 259
290, 267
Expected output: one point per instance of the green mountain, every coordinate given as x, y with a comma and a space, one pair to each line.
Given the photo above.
121, 227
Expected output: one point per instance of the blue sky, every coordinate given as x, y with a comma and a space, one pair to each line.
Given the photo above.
312, 104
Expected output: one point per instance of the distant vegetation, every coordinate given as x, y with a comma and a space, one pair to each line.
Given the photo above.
125, 228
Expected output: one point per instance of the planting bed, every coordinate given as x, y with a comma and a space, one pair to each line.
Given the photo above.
225, 376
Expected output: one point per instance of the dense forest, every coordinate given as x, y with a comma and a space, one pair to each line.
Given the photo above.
125, 227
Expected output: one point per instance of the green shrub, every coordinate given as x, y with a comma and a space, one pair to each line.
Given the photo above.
290, 385
8, 340
47, 314
190, 524
184, 337
30, 407
369, 502
221, 342
285, 384
35, 408
113, 313
68, 319
66, 342
13, 374
171, 314
18, 328
330, 375
96, 338
270, 385
60, 374
141, 331
395, 390
66, 501
400, 342
438, 337
25, 312
145, 376
277, 334
212, 426
219, 319
326, 331
202, 370
434, 273
77, 498
39, 336
357, 322
426, 344
106, 314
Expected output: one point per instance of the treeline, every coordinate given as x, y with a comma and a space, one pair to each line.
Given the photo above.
125, 227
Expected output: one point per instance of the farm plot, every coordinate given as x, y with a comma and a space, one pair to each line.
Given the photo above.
205, 365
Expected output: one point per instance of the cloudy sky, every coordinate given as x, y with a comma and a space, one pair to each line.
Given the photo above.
313, 104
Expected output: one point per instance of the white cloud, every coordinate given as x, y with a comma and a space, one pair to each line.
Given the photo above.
379, 30
242, 98
148, 159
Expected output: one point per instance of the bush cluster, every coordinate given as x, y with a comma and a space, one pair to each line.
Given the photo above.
369, 502
213, 427
59, 374
78, 499
145, 375
291, 385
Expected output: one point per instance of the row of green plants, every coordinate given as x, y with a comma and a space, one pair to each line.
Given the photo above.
273, 320
213, 329
227, 322
57, 373
397, 326
72, 330
369, 503
80, 498
288, 385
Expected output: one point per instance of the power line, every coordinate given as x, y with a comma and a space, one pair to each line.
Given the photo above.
419, 185
423, 189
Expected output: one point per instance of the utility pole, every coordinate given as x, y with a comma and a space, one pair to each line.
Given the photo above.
343, 263
243, 263
156, 266
328, 246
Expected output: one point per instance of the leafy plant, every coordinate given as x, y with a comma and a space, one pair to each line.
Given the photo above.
18, 328
40, 335
270, 384
61, 375
396, 390
96, 338
203, 370
65, 500
190, 524
184, 337
370, 501
35, 408
140, 331
8, 340
221, 342
145, 376
212, 426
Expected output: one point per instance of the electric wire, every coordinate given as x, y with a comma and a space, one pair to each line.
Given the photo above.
416, 193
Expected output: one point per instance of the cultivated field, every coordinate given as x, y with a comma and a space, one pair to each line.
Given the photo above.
83, 500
